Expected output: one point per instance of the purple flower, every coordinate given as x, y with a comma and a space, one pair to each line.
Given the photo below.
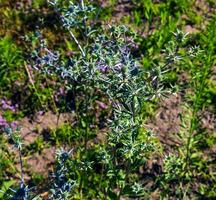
7, 105
2, 121
13, 125
4, 125
3, 101
61, 91
41, 112
102, 67
102, 105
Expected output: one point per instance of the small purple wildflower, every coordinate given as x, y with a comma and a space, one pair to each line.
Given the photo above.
13, 125
40, 112
61, 91
4, 125
2, 122
102, 105
102, 67
6, 105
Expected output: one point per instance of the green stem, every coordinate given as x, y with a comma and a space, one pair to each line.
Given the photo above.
199, 85
33, 85
76, 41
21, 166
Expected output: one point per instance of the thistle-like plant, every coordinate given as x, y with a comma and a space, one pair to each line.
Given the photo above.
106, 65
12, 133
62, 184
186, 165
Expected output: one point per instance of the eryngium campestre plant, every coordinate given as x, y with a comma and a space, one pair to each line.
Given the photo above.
62, 184
105, 64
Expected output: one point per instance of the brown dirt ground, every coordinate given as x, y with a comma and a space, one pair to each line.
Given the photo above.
31, 130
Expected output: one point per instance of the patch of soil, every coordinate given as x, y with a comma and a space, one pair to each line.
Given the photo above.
208, 121
165, 125
30, 131
167, 121
42, 163
121, 8
190, 29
